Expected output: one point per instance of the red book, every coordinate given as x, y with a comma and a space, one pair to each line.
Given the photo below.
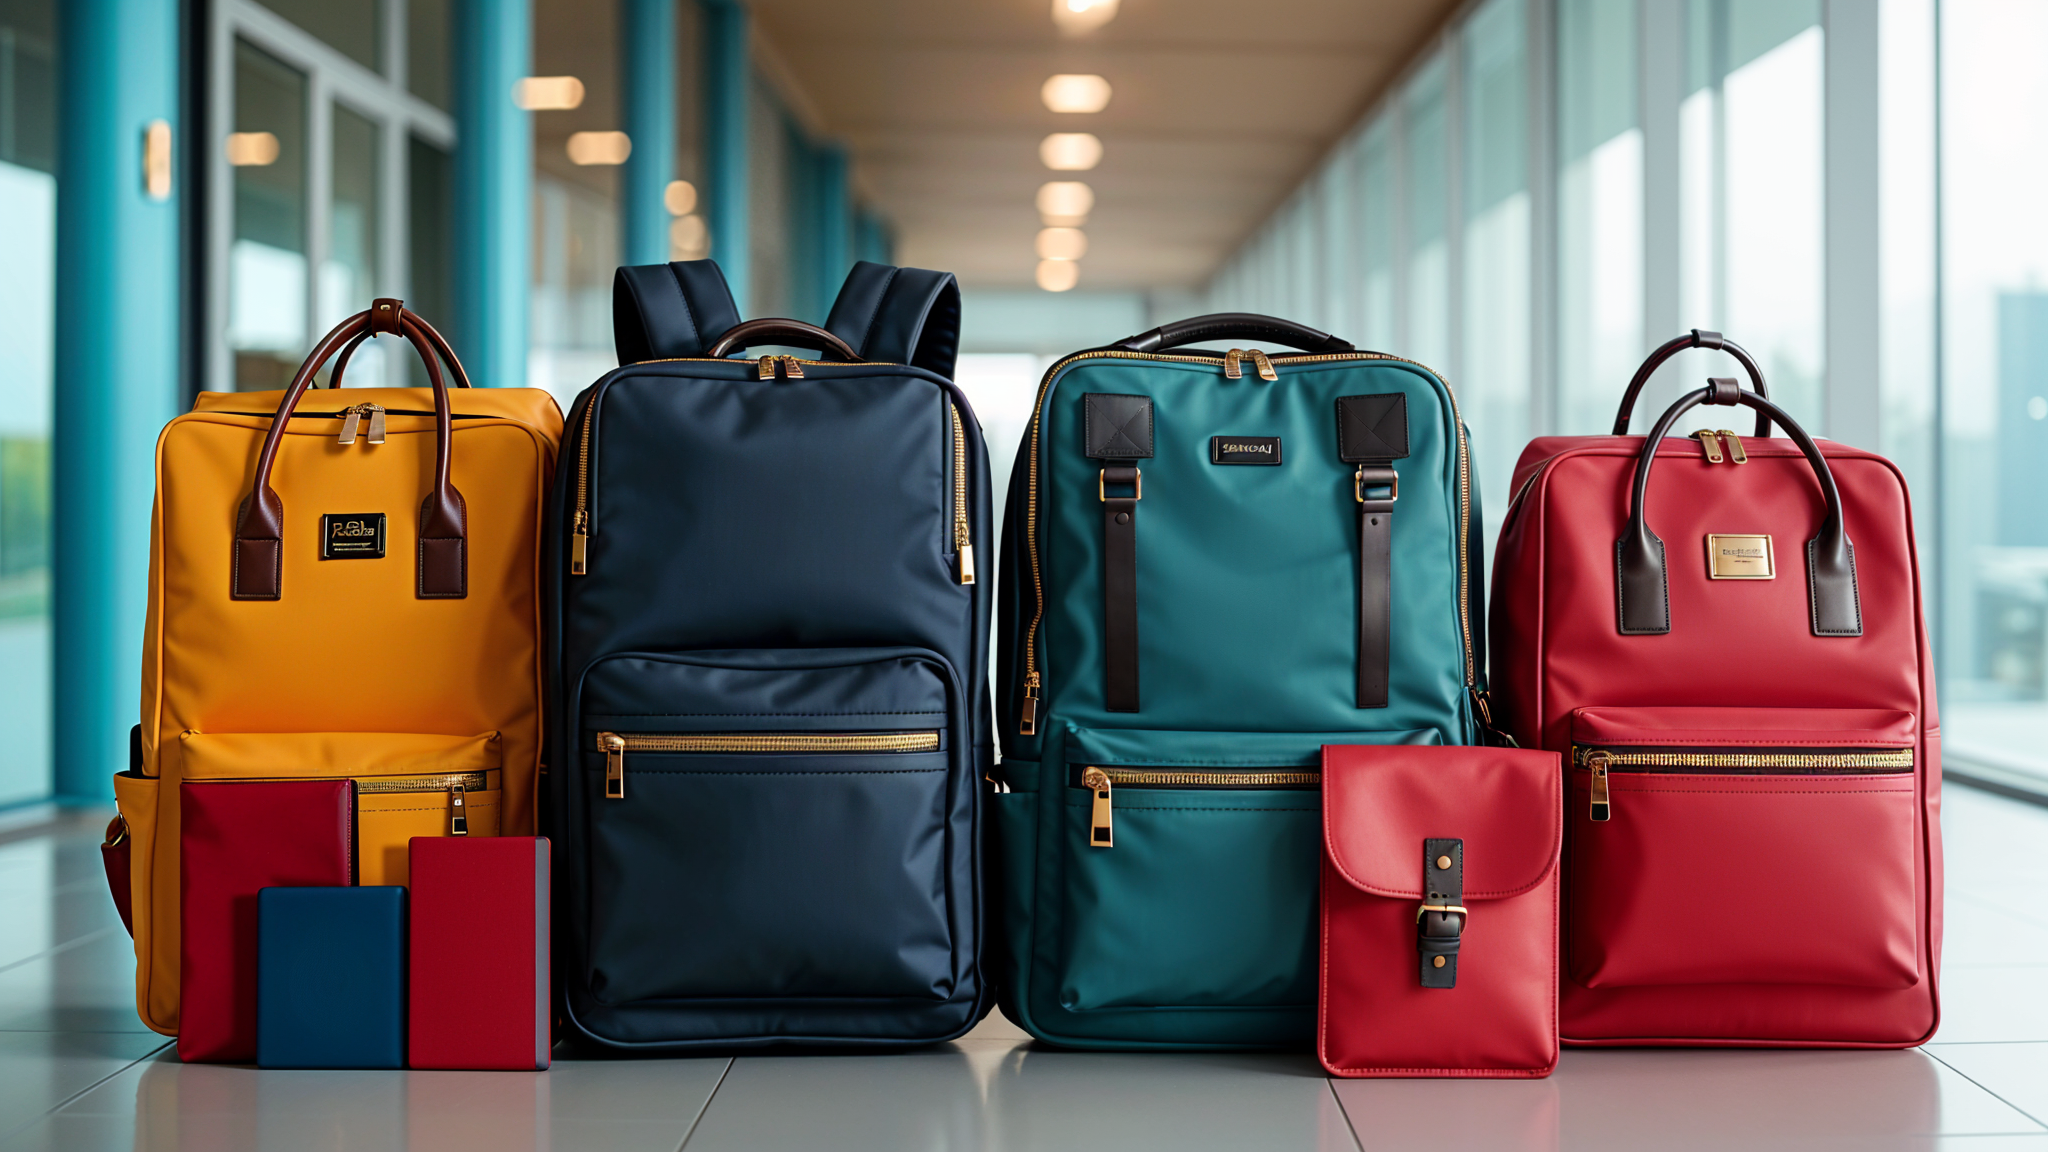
235, 839
479, 995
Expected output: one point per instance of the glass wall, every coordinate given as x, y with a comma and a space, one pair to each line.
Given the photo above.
1600, 210
1494, 369
575, 198
28, 225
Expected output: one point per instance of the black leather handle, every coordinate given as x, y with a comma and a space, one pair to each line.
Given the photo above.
1697, 338
1641, 575
787, 333
1233, 326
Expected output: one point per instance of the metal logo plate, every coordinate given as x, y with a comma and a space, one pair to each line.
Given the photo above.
1740, 557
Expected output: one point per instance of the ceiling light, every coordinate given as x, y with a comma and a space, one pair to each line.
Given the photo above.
1062, 244
1075, 92
252, 149
1058, 275
1075, 17
1065, 203
1070, 151
680, 198
599, 147
548, 93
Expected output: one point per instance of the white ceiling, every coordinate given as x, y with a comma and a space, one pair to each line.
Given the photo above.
1220, 108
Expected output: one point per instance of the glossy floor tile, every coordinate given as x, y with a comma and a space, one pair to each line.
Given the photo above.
79, 1072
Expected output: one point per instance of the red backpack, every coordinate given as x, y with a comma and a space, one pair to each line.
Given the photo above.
1728, 649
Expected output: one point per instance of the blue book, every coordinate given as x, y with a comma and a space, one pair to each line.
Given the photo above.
330, 977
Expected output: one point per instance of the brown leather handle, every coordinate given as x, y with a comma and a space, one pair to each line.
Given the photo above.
349, 350
790, 333
1697, 338
257, 571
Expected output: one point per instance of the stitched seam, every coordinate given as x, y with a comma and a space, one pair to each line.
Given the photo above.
762, 715
689, 313
1771, 791
822, 772
373, 811
868, 329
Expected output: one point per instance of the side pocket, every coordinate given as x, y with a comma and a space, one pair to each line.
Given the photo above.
1013, 856
135, 795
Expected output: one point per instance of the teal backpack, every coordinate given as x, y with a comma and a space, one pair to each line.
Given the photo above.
1213, 564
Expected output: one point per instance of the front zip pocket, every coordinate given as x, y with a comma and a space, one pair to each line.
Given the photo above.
615, 745
1104, 781
1600, 762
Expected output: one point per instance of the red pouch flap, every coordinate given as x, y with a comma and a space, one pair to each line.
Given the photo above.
1745, 727
1380, 802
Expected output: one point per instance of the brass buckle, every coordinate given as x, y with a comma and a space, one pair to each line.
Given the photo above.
1446, 908
1102, 485
117, 831
1358, 484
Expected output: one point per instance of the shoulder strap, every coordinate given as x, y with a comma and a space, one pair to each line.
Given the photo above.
665, 311
900, 316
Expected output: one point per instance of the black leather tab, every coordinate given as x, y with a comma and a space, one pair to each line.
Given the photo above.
1120, 588
1641, 586
669, 311
1836, 606
1723, 390
899, 316
1117, 427
1375, 585
1438, 934
1372, 428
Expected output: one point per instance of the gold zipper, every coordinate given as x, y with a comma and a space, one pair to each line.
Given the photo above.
1735, 452
792, 368
1265, 365
1599, 761
1103, 781
1028, 711
963, 538
1709, 444
352, 419
458, 786
615, 745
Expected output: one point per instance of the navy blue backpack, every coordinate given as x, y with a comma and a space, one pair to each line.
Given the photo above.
769, 698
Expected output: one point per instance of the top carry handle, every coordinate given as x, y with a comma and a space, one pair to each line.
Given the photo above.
899, 316
1233, 326
1697, 338
669, 311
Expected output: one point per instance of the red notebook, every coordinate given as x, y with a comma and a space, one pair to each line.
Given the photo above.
235, 839
479, 996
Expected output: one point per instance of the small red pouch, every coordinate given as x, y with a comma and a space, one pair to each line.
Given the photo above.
1439, 923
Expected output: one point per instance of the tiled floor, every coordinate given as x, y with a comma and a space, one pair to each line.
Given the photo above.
79, 1073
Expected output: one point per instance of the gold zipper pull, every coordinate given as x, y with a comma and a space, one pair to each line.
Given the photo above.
376, 423
1100, 833
458, 816
1601, 808
1027, 720
1735, 451
1231, 371
795, 370
1265, 366
614, 746
966, 551
1710, 444
579, 546
767, 368
352, 416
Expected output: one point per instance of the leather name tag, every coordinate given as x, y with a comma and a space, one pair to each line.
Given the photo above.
352, 536
1244, 449
1372, 428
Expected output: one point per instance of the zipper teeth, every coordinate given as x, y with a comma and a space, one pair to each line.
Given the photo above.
583, 465
775, 742
467, 781
1893, 759
960, 529
1031, 483
1175, 777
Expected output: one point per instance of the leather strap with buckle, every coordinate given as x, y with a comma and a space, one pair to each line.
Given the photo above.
1440, 922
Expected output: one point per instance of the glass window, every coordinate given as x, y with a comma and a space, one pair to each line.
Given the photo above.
430, 208
428, 32
28, 227
348, 275
1494, 378
353, 27
575, 206
1376, 236
1906, 251
1334, 238
267, 263
769, 164
1994, 373
1427, 294
1600, 211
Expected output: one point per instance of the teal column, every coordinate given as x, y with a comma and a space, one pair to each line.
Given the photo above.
117, 367
648, 48
493, 189
834, 200
728, 83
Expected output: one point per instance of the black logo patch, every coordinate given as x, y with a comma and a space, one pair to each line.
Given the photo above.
352, 536
1244, 449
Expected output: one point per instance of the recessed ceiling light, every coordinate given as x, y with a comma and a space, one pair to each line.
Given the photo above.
1058, 275
1075, 92
680, 197
252, 149
1070, 151
1065, 203
1075, 17
599, 147
1062, 244
548, 93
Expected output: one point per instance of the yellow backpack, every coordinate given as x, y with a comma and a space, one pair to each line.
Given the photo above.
312, 616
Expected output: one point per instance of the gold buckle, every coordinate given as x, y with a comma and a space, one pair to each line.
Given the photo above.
1102, 483
1358, 485
1458, 908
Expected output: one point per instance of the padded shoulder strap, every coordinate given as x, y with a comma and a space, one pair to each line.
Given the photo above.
665, 311
899, 316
